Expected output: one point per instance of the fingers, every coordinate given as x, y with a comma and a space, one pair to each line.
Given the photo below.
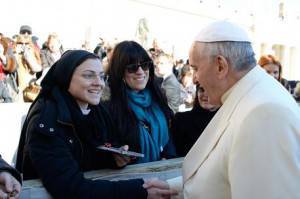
7, 180
154, 193
125, 147
16, 188
155, 182
121, 160
10, 187
3, 194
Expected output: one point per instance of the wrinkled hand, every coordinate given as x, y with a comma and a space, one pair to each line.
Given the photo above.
9, 186
122, 160
158, 189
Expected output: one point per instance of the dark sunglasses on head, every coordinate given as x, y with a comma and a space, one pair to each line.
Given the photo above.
132, 68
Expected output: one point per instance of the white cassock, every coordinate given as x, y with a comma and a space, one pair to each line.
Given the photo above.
250, 149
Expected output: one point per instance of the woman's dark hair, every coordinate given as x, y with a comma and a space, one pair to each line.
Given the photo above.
125, 53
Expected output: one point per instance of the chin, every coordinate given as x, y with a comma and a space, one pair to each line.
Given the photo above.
94, 102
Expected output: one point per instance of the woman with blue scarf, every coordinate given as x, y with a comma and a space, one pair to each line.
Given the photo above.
137, 105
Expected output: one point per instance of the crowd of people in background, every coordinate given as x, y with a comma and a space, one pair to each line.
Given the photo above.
23, 64
120, 94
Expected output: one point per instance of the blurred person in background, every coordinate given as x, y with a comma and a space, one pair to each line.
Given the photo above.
188, 126
28, 61
170, 85
188, 88
274, 68
51, 52
100, 49
177, 68
8, 66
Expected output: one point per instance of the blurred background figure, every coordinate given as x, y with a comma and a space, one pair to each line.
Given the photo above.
142, 32
29, 63
297, 93
188, 126
177, 68
100, 49
4, 91
188, 88
274, 68
27, 30
170, 85
51, 52
8, 66
155, 49
108, 48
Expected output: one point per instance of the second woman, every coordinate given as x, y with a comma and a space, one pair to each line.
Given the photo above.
137, 104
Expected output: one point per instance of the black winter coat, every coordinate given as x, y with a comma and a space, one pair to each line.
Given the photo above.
50, 149
188, 126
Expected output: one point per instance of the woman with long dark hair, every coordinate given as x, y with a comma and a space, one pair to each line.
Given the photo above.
137, 105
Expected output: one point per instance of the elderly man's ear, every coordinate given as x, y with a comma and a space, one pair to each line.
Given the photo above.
223, 66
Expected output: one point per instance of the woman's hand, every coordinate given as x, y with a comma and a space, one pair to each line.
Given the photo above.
9, 186
122, 160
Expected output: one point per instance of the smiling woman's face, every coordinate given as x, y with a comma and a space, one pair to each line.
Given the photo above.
87, 83
137, 80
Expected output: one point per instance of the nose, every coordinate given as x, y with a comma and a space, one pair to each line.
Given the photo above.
99, 81
195, 79
139, 70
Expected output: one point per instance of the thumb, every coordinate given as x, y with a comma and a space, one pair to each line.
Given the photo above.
3, 194
125, 147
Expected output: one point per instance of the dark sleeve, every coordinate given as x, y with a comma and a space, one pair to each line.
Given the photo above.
6, 167
62, 177
169, 150
177, 136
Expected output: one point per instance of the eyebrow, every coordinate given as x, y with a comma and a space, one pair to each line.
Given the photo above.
91, 71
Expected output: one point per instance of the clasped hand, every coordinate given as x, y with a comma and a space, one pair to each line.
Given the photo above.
158, 189
9, 186
122, 160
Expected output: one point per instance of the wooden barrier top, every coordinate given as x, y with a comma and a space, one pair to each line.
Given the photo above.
164, 169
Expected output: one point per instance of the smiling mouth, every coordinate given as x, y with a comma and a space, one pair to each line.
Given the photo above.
97, 92
140, 78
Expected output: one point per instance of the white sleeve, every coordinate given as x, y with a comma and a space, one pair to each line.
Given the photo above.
264, 161
176, 183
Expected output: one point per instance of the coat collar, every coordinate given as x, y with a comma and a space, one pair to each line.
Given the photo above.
57, 110
217, 126
64, 114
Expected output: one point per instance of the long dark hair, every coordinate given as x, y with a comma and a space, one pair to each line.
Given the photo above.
130, 52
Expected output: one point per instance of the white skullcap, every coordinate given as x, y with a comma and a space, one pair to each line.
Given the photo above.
222, 31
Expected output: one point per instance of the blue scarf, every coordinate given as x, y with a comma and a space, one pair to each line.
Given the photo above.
152, 123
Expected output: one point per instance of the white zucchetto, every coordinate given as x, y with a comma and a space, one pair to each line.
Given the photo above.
222, 31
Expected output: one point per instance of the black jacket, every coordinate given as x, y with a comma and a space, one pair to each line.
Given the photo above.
188, 126
6, 167
50, 149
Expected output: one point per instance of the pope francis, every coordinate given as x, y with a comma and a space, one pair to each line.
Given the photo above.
251, 148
